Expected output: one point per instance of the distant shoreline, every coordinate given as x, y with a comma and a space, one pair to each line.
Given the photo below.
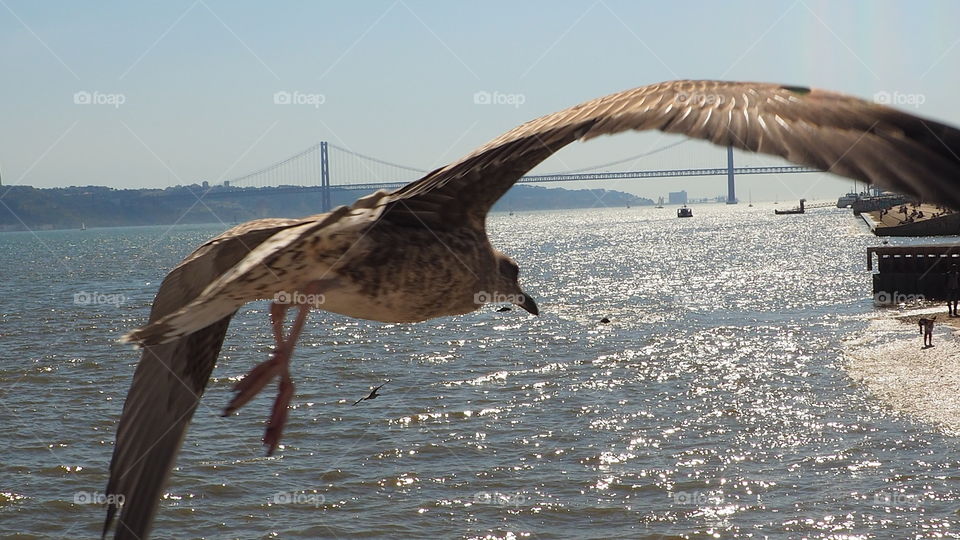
44, 209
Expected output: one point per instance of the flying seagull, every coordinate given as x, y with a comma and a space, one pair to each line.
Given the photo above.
373, 394
422, 251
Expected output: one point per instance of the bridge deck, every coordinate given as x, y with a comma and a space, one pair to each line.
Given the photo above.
622, 175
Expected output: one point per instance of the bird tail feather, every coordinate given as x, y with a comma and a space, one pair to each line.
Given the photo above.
193, 317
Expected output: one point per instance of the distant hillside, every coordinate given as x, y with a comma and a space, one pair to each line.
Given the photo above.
67, 208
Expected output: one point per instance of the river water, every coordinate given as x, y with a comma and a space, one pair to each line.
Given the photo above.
717, 402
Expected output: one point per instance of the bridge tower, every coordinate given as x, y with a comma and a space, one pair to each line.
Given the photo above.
324, 178
731, 191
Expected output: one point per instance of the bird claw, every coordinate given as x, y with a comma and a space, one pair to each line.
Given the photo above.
278, 416
252, 383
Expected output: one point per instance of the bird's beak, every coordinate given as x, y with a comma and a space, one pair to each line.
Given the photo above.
529, 305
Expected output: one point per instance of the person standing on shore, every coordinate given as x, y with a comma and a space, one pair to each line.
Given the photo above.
926, 328
953, 290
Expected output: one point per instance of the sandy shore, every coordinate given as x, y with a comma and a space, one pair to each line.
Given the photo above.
891, 362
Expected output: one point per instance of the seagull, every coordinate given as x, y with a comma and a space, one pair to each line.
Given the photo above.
422, 251
373, 394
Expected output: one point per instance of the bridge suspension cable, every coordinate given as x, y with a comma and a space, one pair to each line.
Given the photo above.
624, 160
377, 160
270, 169
574, 171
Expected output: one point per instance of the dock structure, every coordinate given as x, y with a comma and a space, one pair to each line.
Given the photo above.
934, 221
908, 273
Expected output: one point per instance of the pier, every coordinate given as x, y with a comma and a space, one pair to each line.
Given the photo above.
910, 273
921, 220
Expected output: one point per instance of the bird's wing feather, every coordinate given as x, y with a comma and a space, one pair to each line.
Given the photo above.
833, 132
170, 379
274, 265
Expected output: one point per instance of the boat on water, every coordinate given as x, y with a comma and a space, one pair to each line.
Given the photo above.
659, 203
797, 210
848, 199
683, 211
855, 199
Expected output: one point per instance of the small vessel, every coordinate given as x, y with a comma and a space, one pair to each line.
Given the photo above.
798, 210
751, 199
848, 200
659, 203
683, 211
83, 226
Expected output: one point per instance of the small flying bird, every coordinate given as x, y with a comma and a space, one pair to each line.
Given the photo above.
373, 394
422, 251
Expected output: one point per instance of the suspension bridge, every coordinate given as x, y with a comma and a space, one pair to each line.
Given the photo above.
327, 168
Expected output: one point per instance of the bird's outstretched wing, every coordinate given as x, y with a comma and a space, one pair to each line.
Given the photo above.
833, 132
170, 379
371, 395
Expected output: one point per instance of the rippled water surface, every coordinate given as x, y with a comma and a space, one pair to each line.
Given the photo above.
715, 404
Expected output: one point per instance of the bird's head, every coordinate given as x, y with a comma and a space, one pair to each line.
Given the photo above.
507, 287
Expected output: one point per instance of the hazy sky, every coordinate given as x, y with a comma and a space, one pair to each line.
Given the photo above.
186, 89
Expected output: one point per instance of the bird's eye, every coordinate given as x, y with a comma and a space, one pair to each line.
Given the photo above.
509, 269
